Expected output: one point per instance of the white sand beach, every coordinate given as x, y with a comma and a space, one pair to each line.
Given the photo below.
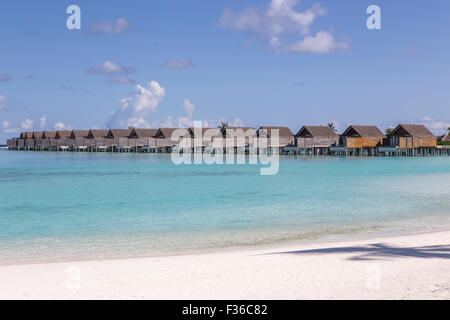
403, 267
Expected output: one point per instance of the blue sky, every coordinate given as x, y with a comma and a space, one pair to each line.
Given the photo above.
167, 63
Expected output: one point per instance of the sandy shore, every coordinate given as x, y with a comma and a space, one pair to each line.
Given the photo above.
405, 267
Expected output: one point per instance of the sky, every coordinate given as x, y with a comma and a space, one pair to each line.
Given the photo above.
261, 62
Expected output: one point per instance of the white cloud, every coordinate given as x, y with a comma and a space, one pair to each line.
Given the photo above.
178, 64
27, 124
189, 107
322, 42
6, 124
280, 24
238, 123
42, 121
135, 109
63, 126
436, 126
107, 27
110, 67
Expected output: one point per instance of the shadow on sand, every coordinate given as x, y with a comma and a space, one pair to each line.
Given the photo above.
381, 251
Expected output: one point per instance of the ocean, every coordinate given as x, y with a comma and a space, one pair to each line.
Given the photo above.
76, 206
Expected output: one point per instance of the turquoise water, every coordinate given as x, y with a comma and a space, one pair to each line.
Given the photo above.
59, 206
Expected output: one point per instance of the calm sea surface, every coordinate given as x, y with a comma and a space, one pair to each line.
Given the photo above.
65, 206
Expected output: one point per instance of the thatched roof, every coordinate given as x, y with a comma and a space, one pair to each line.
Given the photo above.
118, 133
282, 131
363, 132
28, 135
317, 132
79, 134
49, 134
412, 130
229, 129
143, 133
96, 133
38, 134
445, 137
165, 133
193, 130
63, 134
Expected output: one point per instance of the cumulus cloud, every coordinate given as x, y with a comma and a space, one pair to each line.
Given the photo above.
123, 79
4, 77
178, 64
136, 108
63, 126
436, 126
280, 24
322, 42
110, 67
119, 26
42, 121
189, 107
27, 124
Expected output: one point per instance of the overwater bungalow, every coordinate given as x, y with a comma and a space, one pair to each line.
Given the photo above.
444, 138
245, 145
96, 138
163, 139
143, 140
207, 136
79, 141
29, 142
404, 140
286, 143
38, 137
315, 140
412, 140
11, 144
359, 141
49, 141
63, 141
118, 139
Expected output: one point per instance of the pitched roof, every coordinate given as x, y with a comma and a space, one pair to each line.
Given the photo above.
50, 134
282, 131
165, 132
226, 129
364, 131
78, 134
96, 133
192, 131
445, 137
143, 133
414, 130
118, 133
316, 131
38, 134
28, 135
63, 134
